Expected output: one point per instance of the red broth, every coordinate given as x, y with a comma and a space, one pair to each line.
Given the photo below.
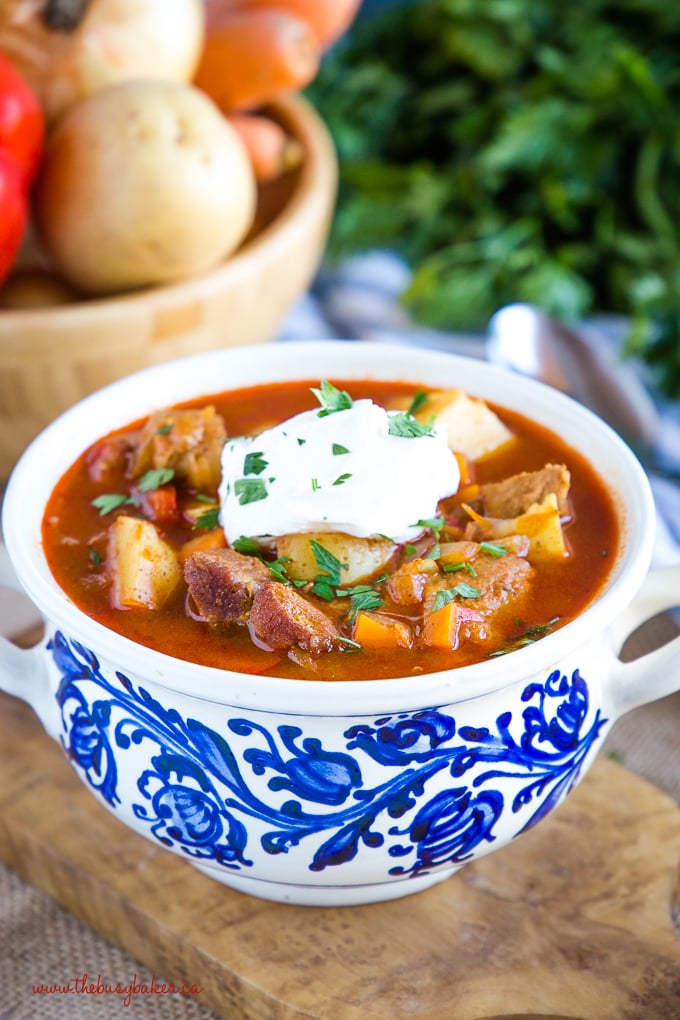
75, 540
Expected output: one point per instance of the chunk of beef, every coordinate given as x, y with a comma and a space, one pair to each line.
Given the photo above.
513, 496
188, 441
223, 583
504, 583
282, 618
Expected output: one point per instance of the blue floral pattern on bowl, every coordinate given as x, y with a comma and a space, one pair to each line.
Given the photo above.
427, 790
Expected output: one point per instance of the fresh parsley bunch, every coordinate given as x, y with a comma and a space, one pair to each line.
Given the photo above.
518, 150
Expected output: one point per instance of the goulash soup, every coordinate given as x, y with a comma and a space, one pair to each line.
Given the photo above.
332, 530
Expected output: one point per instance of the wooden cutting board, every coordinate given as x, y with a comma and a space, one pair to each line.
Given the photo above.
572, 920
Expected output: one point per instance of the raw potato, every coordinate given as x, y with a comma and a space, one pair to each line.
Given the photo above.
115, 40
143, 183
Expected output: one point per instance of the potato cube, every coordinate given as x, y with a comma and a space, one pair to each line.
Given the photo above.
360, 558
143, 568
473, 428
541, 524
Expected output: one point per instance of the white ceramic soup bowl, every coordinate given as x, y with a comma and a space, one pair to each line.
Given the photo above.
333, 793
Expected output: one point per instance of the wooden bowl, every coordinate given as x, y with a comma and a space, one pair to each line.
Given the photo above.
52, 357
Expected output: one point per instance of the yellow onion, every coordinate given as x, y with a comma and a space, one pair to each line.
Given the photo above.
68, 49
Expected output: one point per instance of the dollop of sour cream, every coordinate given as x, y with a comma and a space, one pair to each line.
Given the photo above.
343, 471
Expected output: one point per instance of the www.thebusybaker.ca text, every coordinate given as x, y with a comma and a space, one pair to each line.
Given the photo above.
84, 985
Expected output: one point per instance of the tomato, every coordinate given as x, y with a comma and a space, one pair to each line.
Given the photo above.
13, 210
22, 125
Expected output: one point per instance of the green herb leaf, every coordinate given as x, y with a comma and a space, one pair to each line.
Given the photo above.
362, 597
155, 478
341, 479
165, 430
407, 427
347, 644
331, 398
328, 564
277, 568
420, 398
493, 549
462, 590
454, 568
247, 546
254, 464
209, 519
250, 490
433, 524
323, 588
111, 501
527, 637
339, 449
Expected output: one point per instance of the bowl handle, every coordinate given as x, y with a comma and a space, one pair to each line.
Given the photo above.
656, 674
23, 671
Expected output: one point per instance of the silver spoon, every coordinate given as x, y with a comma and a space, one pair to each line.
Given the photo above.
585, 366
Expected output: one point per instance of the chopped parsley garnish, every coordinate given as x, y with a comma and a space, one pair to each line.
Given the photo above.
527, 637
277, 568
462, 590
330, 571
492, 549
435, 525
420, 398
315, 485
165, 430
341, 479
254, 464
154, 478
339, 449
363, 597
405, 425
109, 501
95, 558
301, 442
250, 490
348, 645
331, 398
209, 519
454, 568
247, 546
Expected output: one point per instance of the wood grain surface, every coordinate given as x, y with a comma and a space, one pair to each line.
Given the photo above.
573, 920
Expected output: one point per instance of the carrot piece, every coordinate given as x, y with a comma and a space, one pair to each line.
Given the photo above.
252, 56
373, 631
466, 468
329, 19
441, 627
210, 540
271, 149
158, 504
